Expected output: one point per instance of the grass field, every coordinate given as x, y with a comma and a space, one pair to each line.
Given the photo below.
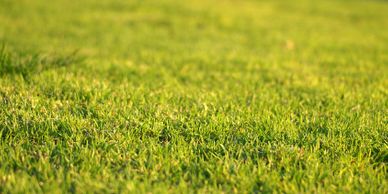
204, 96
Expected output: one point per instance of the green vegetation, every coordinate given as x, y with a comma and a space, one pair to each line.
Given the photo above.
203, 96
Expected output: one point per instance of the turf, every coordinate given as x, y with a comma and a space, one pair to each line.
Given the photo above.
197, 96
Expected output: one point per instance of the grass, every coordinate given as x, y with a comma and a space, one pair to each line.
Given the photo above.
193, 97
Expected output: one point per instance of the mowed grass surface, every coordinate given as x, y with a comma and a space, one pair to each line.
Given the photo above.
193, 96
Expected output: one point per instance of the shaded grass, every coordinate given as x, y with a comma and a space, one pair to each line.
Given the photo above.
25, 65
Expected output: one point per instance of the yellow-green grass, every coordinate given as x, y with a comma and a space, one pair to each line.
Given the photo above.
199, 96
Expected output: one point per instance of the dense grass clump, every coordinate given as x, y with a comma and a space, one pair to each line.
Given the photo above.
205, 96
17, 64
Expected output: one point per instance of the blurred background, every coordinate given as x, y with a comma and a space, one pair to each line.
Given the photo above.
217, 29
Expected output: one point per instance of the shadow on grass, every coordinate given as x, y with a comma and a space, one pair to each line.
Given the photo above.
12, 63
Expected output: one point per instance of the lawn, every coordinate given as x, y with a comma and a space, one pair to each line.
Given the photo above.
204, 96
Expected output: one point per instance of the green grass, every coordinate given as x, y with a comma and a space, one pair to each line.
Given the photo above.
197, 96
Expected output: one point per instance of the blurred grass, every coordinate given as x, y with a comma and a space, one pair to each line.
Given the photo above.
193, 96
